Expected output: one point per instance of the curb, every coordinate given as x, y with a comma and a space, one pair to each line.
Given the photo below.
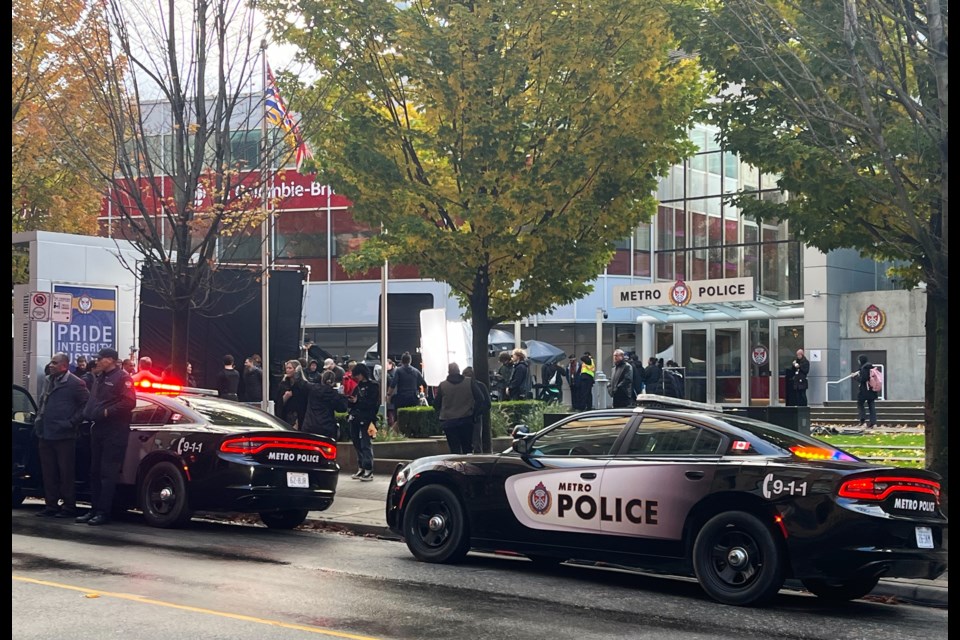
887, 591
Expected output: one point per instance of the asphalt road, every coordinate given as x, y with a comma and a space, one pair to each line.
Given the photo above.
218, 580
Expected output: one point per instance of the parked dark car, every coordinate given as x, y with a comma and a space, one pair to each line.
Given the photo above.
192, 453
738, 503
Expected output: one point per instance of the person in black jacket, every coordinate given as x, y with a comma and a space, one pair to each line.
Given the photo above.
363, 406
621, 381
865, 395
653, 377
228, 380
110, 408
291, 402
323, 402
801, 367
520, 381
58, 417
406, 383
252, 381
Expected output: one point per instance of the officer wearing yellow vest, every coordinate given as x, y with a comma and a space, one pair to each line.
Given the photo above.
583, 390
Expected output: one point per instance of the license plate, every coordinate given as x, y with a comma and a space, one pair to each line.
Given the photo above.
924, 538
302, 481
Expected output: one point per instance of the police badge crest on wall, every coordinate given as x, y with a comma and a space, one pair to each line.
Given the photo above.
873, 319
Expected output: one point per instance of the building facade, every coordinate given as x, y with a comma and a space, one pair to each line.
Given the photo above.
731, 350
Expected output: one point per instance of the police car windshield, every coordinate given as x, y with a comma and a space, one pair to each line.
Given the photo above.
782, 438
232, 414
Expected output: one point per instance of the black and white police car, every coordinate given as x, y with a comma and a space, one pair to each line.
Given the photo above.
738, 503
193, 452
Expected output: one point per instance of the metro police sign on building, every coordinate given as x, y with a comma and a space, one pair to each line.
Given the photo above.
682, 293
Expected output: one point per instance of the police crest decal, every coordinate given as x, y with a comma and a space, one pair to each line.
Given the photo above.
680, 293
873, 319
539, 499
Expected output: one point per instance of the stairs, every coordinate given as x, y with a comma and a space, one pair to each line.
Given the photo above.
889, 413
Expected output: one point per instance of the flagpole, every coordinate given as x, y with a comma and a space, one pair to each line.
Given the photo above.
264, 240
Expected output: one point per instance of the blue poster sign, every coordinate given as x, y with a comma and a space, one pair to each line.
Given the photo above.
93, 321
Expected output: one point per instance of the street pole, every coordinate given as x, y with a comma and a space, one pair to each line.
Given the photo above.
264, 242
384, 346
600, 378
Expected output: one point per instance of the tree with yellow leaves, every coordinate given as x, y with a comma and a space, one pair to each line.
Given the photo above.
53, 189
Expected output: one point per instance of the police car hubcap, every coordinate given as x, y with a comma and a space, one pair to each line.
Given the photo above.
436, 523
737, 557
166, 494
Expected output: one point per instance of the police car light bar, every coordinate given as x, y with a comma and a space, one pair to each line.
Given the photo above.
158, 387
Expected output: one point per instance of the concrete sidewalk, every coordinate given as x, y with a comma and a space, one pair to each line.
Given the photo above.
360, 508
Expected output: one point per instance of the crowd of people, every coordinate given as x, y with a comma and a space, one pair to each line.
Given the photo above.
101, 390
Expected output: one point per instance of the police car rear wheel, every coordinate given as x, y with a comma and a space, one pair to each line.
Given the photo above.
737, 560
286, 519
840, 590
435, 526
163, 496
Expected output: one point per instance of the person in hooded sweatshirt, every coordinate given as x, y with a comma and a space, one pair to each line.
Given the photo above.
454, 404
323, 402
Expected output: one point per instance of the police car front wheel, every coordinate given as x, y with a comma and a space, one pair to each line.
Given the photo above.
163, 496
435, 526
737, 560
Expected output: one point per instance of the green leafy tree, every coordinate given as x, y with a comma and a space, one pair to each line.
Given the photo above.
503, 146
848, 102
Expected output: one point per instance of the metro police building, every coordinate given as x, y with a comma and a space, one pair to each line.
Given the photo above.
728, 299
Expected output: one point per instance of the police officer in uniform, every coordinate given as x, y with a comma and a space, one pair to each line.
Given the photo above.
110, 407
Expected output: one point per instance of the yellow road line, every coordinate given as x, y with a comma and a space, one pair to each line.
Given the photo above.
223, 614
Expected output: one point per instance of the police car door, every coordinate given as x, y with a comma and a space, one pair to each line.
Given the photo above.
664, 468
556, 488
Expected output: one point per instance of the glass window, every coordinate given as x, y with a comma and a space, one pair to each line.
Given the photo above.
245, 149
696, 184
749, 177
659, 436
641, 251
593, 436
730, 165
713, 167
147, 412
226, 413
620, 263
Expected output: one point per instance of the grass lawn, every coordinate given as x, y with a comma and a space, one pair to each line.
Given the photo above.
863, 446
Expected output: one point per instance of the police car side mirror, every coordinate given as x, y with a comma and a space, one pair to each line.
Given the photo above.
520, 431
521, 443
26, 417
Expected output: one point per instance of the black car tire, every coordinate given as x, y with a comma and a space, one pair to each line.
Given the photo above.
285, 519
435, 526
163, 496
840, 590
737, 560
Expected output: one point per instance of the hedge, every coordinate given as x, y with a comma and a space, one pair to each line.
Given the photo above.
422, 422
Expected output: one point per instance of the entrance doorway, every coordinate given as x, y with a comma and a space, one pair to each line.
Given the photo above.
713, 360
